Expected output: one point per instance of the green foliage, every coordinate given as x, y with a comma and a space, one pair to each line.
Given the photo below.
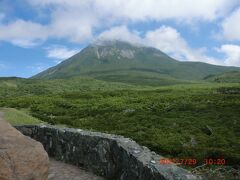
230, 77
16, 87
171, 120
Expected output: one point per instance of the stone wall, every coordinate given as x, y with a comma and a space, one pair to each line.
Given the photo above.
110, 156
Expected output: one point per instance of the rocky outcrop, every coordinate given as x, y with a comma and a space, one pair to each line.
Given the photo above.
21, 157
111, 156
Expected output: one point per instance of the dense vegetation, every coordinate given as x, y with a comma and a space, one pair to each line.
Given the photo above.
232, 76
191, 120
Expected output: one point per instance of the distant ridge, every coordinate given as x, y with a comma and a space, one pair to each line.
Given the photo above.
230, 77
125, 62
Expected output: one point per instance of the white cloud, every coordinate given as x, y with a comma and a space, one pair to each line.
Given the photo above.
171, 9
78, 20
74, 24
230, 26
23, 33
232, 54
149, 9
170, 41
60, 53
121, 33
28, 34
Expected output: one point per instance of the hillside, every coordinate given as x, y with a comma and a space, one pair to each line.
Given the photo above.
123, 62
11, 87
231, 77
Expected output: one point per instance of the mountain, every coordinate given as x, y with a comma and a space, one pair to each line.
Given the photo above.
227, 77
124, 62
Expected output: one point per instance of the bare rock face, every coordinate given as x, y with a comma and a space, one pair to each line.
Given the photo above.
21, 157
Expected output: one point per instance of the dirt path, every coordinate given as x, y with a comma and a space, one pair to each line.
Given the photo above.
61, 171
1, 114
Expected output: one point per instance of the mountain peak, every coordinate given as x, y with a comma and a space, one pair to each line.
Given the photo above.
120, 60
114, 49
121, 49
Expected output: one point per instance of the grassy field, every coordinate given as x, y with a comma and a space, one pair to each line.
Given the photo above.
17, 117
188, 121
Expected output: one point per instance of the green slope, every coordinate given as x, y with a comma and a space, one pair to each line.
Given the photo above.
10, 87
124, 62
17, 117
228, 77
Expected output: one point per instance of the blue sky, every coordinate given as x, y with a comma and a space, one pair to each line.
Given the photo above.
38, 34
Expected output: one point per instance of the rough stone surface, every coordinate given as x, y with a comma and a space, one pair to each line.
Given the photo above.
21, 157
110, 156
62, 171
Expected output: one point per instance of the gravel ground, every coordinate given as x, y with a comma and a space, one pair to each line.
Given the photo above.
61, 171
